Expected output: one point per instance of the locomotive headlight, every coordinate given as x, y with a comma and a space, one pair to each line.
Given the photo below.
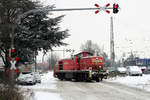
97, 60
90, 68
93, 73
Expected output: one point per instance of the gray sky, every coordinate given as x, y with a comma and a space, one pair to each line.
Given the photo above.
131, 25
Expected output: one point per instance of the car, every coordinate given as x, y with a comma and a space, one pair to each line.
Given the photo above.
147, 70
143, 68
37, 77
26, 78
121, 70
134, 70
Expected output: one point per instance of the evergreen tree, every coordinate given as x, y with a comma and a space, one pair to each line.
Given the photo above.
33, 32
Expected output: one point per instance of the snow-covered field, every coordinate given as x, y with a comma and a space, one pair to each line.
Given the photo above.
142, 82
48, 90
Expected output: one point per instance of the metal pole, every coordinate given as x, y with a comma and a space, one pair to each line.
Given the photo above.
74, 9
63, 53
51, 58
50, 9
35, 61
43, 57
67, 9
12, 46
112, 52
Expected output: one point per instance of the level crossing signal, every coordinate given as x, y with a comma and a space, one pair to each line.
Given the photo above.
104, 8
13, 63
13, 53
13, 60
115, 8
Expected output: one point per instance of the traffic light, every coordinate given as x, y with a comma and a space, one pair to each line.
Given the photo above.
115, 8
13, 53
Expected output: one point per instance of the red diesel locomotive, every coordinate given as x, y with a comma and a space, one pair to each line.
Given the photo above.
82, 67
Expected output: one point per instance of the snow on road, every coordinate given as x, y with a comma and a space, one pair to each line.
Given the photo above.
48, 83
52, 88
142, 82
46, 96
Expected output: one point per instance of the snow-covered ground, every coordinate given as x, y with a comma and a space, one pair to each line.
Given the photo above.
48, 90
46, 96
142, 82
41, 91
48, 82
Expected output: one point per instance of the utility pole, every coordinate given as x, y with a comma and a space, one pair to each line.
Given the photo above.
35, 61
112, 51
12, 46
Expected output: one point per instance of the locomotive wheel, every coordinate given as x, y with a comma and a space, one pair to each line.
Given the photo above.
61, 77
79, 77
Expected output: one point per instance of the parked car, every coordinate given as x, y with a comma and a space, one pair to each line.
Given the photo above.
37, 77
26, 78
121, 70
143, 68
112, 70
134, 70
147, 70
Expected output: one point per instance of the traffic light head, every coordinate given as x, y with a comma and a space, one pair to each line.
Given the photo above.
115, 8
13, 53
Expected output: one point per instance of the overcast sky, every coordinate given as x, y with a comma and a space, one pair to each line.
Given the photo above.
131, 25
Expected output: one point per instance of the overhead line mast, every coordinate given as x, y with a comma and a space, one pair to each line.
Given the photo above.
112, 51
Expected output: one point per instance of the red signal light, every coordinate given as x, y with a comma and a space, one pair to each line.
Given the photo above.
116, 6
12, 50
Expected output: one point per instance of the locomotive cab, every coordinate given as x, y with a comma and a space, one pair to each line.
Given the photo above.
83, 54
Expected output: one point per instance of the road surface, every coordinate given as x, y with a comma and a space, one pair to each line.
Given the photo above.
96, 91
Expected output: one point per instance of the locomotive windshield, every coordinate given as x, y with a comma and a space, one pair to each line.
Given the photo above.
84, 54
88, 54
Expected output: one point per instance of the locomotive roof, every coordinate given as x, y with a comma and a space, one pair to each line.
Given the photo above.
77, 55
90, 56
84, 52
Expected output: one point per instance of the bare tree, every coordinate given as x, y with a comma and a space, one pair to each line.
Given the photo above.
95, 49
52, 60
89, 46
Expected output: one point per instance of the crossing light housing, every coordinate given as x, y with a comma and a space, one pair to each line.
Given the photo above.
115, 8
13, 53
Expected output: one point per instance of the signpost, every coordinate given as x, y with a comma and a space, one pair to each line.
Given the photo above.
13, 60
13, 63
104, 8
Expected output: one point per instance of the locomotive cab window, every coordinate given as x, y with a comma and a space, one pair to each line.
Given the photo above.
60, 65
88, 54
80, 55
